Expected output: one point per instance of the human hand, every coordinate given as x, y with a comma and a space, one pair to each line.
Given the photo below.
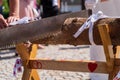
3, 23
12, 19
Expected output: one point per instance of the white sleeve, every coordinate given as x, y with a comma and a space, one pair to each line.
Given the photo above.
55, 2
90, 4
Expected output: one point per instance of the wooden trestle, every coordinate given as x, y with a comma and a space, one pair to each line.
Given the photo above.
111, 66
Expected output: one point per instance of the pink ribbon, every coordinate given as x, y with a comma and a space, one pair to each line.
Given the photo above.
17, 66
117, 77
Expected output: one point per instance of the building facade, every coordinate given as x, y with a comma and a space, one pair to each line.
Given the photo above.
71, 5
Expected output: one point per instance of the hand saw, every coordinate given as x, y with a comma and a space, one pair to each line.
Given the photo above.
36, 29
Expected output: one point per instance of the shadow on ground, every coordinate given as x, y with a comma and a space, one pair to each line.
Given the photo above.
7, 54
73, 47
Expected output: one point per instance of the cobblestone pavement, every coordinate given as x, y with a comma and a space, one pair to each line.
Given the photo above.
66, 52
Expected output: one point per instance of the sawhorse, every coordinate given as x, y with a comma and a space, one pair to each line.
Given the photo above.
111, 66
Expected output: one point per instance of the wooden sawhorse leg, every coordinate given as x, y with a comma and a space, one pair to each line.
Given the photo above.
116, 67
109, 52
25, 55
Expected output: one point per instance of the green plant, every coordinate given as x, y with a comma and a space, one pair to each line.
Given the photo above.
5, 8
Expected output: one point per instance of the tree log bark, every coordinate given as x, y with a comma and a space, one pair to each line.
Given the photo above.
70, 27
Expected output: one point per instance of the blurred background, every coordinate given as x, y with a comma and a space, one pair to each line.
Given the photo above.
66, 6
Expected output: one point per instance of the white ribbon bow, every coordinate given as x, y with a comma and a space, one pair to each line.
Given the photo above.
89, 24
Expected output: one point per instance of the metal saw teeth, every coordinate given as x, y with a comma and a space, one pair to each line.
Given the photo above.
13, 43
7, 46
36, 29
47, 35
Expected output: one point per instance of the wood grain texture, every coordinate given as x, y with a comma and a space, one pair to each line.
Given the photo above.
70, 27
78, 66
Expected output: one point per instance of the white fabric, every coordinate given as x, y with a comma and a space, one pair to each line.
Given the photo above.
97, 54
90, 4
95, 17
35, 12
109, 7
55, 2
89, 24
21, 21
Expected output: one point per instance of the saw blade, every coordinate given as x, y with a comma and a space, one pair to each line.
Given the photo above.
36, 29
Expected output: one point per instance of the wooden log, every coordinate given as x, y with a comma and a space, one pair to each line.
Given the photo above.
36, 29
70, 27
